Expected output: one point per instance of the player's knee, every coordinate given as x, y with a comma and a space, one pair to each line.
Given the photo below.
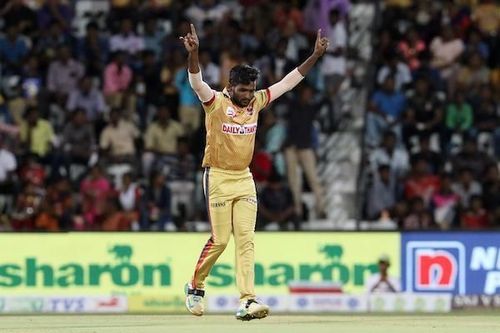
222, 243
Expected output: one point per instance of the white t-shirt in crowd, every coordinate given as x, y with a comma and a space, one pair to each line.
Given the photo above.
128, 43
338, 38
7, 164
382, 287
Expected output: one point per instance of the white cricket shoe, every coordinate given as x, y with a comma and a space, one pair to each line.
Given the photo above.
194, 300
251, 309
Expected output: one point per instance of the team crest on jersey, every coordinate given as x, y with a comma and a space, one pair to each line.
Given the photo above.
230, 112
236, 129
250, 110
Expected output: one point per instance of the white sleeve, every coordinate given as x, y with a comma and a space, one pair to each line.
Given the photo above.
201, 88
285, 84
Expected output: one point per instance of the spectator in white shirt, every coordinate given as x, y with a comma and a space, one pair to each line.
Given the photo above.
127, 40
389, 154
381, 282
8, 165
446, 49
64, 74
398, 69
87, 98
333, 66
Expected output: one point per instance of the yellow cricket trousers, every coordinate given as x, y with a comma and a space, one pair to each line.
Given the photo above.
232, 208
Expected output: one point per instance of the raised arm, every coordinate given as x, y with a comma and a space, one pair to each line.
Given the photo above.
294, 77
202, 89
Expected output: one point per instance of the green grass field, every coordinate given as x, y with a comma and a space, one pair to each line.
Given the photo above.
461, 323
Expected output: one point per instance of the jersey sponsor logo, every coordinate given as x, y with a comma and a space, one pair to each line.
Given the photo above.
236, 129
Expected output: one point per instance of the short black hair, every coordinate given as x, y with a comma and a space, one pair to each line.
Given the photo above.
243, 74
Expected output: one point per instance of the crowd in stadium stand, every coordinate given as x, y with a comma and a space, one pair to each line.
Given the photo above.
433, 122
100, 129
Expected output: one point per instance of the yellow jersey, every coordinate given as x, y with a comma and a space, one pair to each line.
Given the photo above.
231, 130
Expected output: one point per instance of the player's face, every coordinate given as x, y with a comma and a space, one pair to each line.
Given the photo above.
242, 94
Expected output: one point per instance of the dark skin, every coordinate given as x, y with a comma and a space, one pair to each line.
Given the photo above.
242, 94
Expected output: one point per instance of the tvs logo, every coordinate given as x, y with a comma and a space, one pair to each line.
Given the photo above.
435, 266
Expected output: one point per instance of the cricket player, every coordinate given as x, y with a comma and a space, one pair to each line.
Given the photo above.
231, 124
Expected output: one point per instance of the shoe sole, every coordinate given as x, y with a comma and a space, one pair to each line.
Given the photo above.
257, 315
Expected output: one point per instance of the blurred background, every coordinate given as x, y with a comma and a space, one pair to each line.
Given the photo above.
397, 129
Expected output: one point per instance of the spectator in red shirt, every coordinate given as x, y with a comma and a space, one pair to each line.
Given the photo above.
421, 182
94, 189
476, 216
411, 47
261, 166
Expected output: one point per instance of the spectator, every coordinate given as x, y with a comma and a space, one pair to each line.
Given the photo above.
473, 75
385, 109
27, 207
95, 189
476, 216
37, 135
189, 110
424, 112
126, 40
87, 98
113, 218
396, 68
299, 148
181, 177
55, 10
13, 50
334, 63
117, 78
382, 282
261, 166
206, 10
150, 79
57, 208
78, 139
421, 183
153, 37
210, 70
129, 197
445, 203
118, 139
486, 119
64, 74
466, 187
459, 114
491, 193
418, 218
446, 49
51, 39
471, 158
8, 166
161, 138
15, 12
273, 133
156, 203
382, 193
434, 159
276, 205
389, 154
93, 50
475, 44
411, 47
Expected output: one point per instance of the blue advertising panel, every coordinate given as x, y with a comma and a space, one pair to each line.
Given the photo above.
452, 262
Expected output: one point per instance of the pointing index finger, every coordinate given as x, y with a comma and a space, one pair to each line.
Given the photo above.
193, 30
318, 37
